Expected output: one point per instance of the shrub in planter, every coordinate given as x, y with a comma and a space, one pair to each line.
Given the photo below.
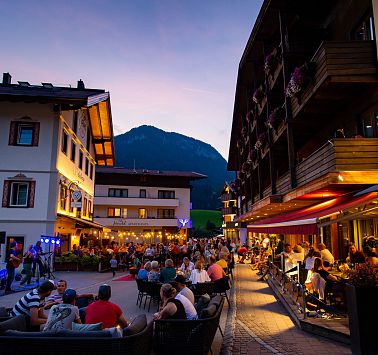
275, 118
89, 262
362, 295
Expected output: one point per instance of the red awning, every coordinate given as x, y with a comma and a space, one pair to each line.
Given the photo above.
305, 221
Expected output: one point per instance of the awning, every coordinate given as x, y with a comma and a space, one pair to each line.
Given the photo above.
305, 221
82, 223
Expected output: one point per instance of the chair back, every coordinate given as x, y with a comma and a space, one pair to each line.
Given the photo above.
141, 285
221, 285
201, 288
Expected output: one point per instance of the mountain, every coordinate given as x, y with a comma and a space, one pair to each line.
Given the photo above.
153, 148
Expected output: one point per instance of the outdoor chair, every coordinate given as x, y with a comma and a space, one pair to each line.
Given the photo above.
221, 287
194, 337
153, 294
142, 291
201, 288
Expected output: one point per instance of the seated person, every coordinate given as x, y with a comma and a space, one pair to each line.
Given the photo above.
108, 313
187, 267
168, 273
326, 255
31, 304
371, 257
323, 272
154, 274
215, 271
143, 273
222, 262
355, 256
182, 289
172, 308
62, 315
199, 274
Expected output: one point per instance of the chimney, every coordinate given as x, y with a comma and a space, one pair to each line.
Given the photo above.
80, 85
7, 79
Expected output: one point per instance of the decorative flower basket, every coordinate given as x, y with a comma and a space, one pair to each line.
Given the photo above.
300, 78
261, 141
258, 96
275, 118
270, 63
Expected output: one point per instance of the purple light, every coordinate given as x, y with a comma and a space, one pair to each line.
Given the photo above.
47, 240
58, 242
42, 240
53, 241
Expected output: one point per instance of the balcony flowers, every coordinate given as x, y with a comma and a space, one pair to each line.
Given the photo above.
275, 118
270, 63
261, 141
252, 155
299, 79
258, 96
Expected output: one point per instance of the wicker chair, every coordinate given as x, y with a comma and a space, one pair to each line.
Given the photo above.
194, 337
33, 344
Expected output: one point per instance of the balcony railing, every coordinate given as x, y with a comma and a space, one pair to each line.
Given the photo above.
136, 201
339, 62
229, 210
227, 197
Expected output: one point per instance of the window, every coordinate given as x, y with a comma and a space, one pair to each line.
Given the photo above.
19, 194
81, 156
118, 193
73, 151
142, 213
88, 143
370, 125
166, 194
91, 171
85, 206
64, 141
89, 208
75, 120
364, 31
24, 133
165, 213
63, 197
86, 166
142, 193
117, 212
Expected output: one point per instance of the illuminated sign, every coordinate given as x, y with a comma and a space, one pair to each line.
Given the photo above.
184, 223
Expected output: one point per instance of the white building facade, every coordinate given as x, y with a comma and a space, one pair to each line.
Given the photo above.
51, 139
143, 205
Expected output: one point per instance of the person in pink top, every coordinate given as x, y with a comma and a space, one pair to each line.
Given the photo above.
215, 271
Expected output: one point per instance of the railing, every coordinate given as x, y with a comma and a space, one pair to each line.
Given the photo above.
229, 210
227, 197
346, 62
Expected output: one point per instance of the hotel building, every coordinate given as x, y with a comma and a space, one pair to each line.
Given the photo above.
51, 139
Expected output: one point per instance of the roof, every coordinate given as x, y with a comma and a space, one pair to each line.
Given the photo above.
119, 170
95, 101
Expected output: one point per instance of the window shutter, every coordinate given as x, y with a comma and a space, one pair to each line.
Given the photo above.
31, 194
36, 134
13, 133
6, 193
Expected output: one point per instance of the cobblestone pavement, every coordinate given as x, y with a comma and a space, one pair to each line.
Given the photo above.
262, 325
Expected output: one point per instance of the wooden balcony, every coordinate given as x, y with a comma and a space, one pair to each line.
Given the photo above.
227, 197
229, 210
339, 155
339, 65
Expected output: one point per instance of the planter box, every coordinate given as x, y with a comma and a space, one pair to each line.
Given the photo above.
66, 266
363, 318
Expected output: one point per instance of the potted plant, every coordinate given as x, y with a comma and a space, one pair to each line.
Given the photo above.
258, 95
89, 262
362, 296
261, 140
276, 117
299, 79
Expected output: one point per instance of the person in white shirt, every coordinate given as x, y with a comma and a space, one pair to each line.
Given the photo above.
187, 267
190, 311
199, 274
326, 255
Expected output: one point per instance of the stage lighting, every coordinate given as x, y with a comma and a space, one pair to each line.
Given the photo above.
42, 240
53, 241
58, 242
47, 240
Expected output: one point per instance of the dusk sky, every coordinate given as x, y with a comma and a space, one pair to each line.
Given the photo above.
167, 63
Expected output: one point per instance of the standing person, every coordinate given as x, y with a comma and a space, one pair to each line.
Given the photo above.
62, 315
13, 261
108, 313
27, 266
30, 305
37, 260
113, 264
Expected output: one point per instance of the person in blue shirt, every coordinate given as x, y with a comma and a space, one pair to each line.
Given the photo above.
168, 273
143, 273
